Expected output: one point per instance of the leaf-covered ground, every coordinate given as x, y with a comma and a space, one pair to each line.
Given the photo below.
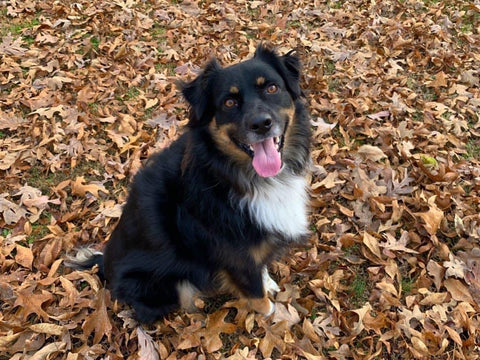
392, 270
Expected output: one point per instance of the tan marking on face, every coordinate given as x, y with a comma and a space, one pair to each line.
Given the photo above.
261, 252
260, 81
224, 142
289, 113
234, 90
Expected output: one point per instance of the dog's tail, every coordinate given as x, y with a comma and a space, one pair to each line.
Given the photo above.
85, 259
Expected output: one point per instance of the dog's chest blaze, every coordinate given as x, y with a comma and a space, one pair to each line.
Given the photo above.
280, 206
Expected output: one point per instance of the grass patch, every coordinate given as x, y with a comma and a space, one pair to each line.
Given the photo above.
335, 4
40, 178
6, 232
328, 67
16, 28
473, 150
407, 285
358, 289
131, 93
168, 68
39, 231
158, 32
95, 42
428, 94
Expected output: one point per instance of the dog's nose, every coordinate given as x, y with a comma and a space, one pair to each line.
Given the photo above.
261, 123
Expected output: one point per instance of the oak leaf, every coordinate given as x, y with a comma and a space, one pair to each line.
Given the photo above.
80, 188
432, 217
147, 349
31, 302
24, 256
98, 321
215, 326
369, 152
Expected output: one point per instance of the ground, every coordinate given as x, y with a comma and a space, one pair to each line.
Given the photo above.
392, 269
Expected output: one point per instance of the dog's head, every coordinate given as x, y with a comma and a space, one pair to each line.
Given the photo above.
247, 107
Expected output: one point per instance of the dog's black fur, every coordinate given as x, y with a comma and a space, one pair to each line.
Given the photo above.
198, 216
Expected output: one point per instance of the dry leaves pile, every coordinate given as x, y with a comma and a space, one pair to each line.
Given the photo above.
392, 270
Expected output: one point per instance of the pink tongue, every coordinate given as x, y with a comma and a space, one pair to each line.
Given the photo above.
266, 158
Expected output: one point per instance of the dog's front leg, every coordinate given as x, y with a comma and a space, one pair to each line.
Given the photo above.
255, 284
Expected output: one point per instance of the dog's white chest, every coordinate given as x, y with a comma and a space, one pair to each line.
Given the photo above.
280, 206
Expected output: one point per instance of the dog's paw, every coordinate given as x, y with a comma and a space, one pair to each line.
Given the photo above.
272, 309
269, 285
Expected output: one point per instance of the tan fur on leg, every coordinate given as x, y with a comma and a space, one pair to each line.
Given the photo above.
263, 305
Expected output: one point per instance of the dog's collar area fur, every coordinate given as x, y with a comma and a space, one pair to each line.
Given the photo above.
267, 206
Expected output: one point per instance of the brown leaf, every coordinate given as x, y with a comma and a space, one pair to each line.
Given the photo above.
46, 328
269, 342
80, 188
286, 313
458, 290
214, 327
147, 349
372, 244
24, 256
47, 351
432, 217
31, 302
99, 320
369, 152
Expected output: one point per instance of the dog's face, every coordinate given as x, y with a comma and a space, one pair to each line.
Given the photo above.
248, 107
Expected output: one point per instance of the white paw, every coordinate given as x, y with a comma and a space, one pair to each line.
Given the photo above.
269, 285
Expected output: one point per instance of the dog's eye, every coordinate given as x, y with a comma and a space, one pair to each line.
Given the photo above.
272, 89
230, 103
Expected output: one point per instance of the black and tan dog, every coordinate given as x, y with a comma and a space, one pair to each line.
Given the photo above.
225, 199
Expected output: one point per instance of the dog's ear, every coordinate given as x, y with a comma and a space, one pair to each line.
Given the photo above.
198, 94
287, 65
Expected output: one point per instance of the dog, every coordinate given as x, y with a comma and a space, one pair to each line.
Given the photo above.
214, 209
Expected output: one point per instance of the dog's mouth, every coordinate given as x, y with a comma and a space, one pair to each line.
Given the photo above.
266, 155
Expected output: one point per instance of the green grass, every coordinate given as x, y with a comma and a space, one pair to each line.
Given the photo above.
407, 285
473, 150
40, 178
335, 4
29, 40
38, 231
169, 68
6, 232
95, 42
43, 179
131, 93
94, 107
358, 290
158, 32
16, 28
328, 67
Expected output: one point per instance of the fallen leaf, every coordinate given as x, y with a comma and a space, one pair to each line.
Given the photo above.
147, 347
369, 152
98, 322
286, 313
24, 256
